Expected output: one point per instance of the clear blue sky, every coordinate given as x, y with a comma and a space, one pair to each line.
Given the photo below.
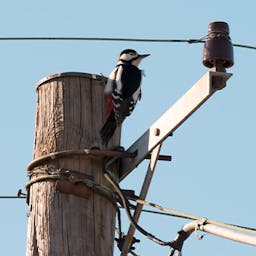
213, 171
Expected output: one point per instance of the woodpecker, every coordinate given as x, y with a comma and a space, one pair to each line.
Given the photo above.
122, 91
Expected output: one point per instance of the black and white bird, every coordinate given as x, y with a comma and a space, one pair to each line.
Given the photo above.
122, 91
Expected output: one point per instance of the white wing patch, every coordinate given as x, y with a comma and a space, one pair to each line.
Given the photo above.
109, 85
136, 94
118, 79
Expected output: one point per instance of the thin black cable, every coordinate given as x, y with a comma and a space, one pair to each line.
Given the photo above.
194, 217
161, 213
126, 203
142, 40
245, 46
20, 195
183, 217
12, 197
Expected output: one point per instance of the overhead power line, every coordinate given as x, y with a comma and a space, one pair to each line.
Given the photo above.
20, 195
245, 46
12, 197
100, 39
113, 39
181, 214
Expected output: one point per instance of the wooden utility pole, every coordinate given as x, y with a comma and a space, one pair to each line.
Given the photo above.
67, 217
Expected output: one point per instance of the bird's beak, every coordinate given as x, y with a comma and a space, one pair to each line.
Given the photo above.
142, 56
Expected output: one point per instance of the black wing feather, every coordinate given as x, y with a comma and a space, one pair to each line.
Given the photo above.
123, 100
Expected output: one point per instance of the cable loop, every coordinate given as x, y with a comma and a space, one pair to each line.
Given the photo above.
218, 35
50, 173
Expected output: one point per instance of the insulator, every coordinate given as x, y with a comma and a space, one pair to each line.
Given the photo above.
218, 49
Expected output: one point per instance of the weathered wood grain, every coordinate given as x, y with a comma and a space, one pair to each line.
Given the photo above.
70, 112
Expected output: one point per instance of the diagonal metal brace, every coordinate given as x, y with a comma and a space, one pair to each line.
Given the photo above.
143, 193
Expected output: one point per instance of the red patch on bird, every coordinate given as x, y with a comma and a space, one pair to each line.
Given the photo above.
108, 99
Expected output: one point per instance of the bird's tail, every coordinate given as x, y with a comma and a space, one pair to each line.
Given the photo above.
108, 129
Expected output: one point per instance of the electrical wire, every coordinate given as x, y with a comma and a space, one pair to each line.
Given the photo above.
247, 229
166, 211
245, 46
143, 40
125, 202
12, 197
119, 39
194, 217
20, 195
175, 245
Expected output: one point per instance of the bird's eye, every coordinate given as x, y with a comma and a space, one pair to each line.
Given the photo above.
132, 53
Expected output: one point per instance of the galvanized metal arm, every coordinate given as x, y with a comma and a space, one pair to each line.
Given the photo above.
173, 118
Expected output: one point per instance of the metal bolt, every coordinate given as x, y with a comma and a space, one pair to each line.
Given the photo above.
157, 131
